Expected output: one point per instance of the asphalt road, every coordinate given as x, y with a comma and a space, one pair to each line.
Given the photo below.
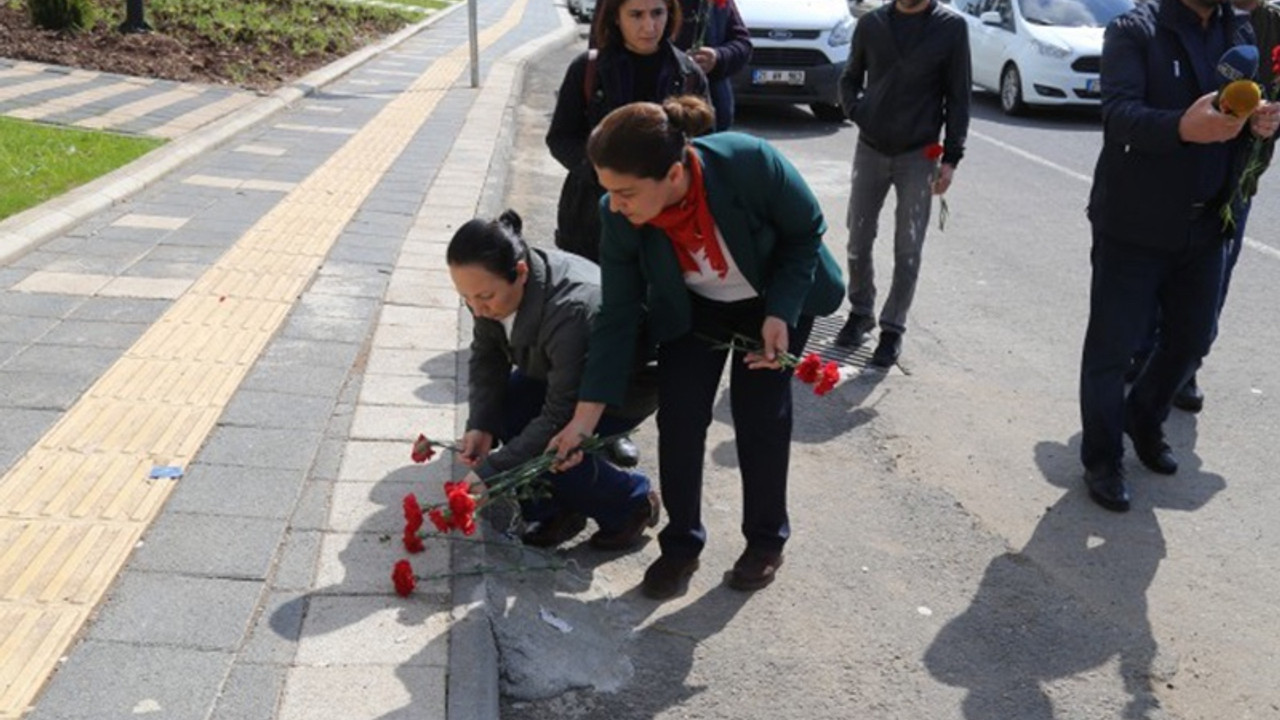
946, 562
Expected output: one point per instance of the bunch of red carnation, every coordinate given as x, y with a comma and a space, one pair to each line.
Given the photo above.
823, 377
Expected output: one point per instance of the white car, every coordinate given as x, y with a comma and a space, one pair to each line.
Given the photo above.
799, 49
583, 10
1038, 52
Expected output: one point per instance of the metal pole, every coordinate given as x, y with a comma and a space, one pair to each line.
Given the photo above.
475, 43
134, 22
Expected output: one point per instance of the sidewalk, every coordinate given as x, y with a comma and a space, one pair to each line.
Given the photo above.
260, 318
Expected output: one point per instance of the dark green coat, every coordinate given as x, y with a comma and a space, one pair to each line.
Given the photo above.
773, 226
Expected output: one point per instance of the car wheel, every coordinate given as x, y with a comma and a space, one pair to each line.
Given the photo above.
1011, 91
827, 112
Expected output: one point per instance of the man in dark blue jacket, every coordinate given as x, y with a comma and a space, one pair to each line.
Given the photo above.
1169, 161
907, 77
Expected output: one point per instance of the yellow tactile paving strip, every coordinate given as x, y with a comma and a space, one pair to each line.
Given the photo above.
72, 509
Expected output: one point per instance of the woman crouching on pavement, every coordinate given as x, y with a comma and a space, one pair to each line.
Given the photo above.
718, 236
533, 310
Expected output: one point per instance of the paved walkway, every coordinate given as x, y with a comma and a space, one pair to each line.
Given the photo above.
273, 322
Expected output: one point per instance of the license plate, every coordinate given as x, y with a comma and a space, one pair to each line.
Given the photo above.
777, 77
1093, 85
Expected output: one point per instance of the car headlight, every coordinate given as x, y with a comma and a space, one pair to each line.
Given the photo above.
1047, 49
842, 33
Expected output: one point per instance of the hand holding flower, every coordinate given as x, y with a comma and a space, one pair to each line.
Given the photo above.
475, 447
1265, 120
773, 346
567, 443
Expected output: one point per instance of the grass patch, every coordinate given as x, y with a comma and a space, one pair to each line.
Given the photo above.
38, 162
426, 4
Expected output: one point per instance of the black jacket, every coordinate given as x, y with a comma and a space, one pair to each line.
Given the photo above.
578, 214
727, 34
901, 103
1148, 183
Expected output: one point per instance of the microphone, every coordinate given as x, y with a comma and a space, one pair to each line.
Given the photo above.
1239, 94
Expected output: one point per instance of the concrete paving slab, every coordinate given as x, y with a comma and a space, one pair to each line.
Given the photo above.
142, 287
387, 422
312, 510
261, 447
236, 491
72, 362
296, 566
25, 330
123, 310
407, 390
252, 692
360, 564
370, 507
181, 542
364, 693
277, 629
39, 391
365, 461
177, 610
119, 681
63, 282
292, 379
95, 334
256, 408
374, 630
22, 428
161, 270
37, 305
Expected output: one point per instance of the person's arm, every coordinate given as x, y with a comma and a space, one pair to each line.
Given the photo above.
564, 341
1126, 118
959, 91
732, 54
567, 136
489, 370
616, 327
853, 79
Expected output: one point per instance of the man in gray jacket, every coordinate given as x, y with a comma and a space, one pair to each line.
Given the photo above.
907, 77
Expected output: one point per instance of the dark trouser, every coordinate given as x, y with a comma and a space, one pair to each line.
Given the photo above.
689, 370
1131, 287
595, 487
1229, 266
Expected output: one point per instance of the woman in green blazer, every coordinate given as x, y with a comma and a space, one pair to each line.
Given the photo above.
708, 239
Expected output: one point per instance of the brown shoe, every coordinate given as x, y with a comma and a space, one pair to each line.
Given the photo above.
667, 576
754, 570
555, 531
628, 536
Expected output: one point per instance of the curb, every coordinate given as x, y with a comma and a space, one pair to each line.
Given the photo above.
21, 233
472, 690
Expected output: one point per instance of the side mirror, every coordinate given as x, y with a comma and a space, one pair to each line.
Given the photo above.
991, 17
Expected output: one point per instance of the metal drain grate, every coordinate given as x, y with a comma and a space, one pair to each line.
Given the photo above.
822, 342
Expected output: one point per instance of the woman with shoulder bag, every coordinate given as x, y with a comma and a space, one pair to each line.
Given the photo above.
633, 59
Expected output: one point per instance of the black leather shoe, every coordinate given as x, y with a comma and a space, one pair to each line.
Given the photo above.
667, 576
555, 531
1190, 397
755, 569
622, 452
854, 332
887, 350
1151, 448
1108, 489
628, 536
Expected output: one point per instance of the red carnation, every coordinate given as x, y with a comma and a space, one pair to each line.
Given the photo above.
809, 368
422, 451
413, 542
933, 152
460, 500
412, 514
402, 576
722, 4
437, 518
830, 376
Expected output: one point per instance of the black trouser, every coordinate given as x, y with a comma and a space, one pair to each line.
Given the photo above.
689, 370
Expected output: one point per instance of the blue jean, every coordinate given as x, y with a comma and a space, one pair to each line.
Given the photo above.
689, 370
1132, 286
595, 487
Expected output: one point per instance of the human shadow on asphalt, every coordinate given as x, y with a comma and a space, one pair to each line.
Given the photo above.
1071, 600
816, 419
441, 372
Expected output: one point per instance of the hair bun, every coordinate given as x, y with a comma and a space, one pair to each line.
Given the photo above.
511, 219
690, 114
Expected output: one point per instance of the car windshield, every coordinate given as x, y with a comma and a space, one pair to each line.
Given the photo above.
1073, 13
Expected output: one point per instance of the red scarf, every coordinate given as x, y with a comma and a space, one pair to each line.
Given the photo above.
690, 226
